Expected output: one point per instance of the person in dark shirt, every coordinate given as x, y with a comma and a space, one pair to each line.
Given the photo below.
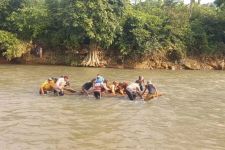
152, 91
87, 86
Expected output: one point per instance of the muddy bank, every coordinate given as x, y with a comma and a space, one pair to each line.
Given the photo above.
150, 62
188, 63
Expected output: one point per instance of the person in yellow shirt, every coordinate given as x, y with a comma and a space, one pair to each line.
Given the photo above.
47, 86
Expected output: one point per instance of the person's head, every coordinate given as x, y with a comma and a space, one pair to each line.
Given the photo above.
50, 79
149, 82
54, 79
139, 77
66, 78
115, 83
105, 81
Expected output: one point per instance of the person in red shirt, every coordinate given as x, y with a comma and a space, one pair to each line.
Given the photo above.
97, 88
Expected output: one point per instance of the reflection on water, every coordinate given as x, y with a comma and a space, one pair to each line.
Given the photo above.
189, 116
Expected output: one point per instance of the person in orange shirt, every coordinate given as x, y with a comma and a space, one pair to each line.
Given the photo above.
47, 86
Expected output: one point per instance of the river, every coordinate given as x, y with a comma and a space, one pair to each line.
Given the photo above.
191, 114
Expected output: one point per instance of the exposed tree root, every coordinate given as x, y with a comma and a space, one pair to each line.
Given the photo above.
92, 59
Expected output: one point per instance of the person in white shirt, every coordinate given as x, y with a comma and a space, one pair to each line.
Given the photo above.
133, 90
60, 84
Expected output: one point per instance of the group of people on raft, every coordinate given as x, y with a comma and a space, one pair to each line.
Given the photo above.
100, 87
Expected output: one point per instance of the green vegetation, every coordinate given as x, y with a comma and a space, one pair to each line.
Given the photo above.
131, 31
10, 46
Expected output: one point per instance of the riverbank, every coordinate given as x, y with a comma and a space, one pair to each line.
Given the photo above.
150, 62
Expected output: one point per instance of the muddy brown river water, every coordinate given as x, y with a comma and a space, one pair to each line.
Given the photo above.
191, 114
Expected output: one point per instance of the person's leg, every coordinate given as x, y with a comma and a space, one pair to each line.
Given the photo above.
57, 91
85, 91
97, 95
61, 93
134, 96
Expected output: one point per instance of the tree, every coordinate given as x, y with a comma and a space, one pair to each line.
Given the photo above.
10, 46
140, 34
31, 20
6, 8
207, 31
93, 21
220, 3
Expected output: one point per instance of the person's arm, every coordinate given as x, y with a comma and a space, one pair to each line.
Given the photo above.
144, 90
42, 88
41, 91
85, 91
67, 84
139, 92
121, 91
105, 87
113, 90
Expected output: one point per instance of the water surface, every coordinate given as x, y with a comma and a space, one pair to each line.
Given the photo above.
191, 114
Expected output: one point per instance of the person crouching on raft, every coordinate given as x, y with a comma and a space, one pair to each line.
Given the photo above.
133, 90
152, 91
121, 87
60, 84
87, 86
47, 86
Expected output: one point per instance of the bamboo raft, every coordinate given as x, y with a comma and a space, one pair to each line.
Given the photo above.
70, 91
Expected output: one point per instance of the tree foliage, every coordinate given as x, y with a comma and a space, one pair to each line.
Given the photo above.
93, 20
10, 46
131, 30
31, 20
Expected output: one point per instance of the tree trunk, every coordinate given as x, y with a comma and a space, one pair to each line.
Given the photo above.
92, 59
192, 2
